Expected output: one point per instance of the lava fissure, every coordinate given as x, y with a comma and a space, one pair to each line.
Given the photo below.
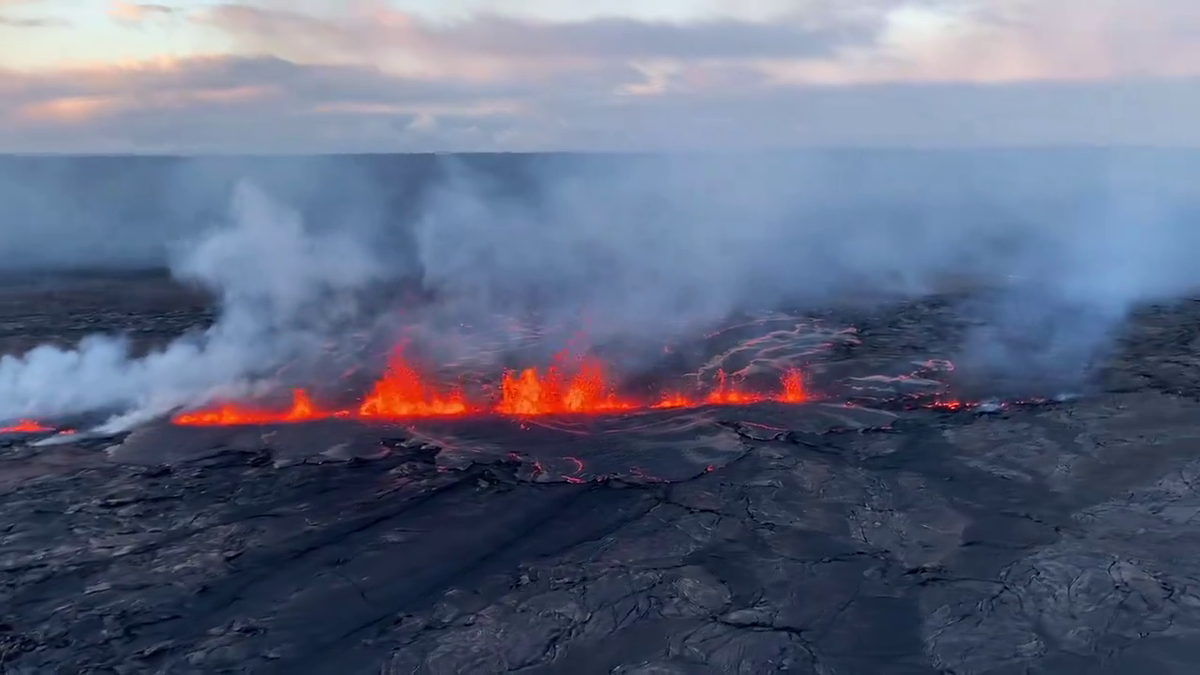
568, 386
26, 427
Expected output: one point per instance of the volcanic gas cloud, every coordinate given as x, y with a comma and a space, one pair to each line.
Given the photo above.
581, 386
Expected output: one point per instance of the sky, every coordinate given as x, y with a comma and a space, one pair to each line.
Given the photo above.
302, 76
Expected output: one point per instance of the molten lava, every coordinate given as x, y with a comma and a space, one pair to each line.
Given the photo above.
402, 392
568, 386
793, 387
588, 390
728, 393
26, 427
228, 415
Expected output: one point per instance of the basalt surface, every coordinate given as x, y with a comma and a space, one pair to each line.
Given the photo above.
876, 537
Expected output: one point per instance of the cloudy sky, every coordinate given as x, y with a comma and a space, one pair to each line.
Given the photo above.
384, 75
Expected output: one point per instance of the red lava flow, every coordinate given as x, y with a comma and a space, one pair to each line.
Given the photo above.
568, 386
26, 427
230, 414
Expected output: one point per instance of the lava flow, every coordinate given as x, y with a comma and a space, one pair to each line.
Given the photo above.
26, 427
581, 387
726, 393
228, 415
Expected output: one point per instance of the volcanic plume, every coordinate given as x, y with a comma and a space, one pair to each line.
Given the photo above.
659, 252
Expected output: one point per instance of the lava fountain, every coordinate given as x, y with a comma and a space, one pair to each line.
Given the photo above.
587, 391
227, 415
26, 427
579, 386
403, 392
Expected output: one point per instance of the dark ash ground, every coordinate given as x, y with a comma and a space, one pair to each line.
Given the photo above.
1054, 538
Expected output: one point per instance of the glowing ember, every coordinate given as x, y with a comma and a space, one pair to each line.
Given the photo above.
950, 405
587, 391
402, 392
26, 427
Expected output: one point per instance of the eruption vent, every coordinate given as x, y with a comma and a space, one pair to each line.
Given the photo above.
403, 392
588, 390
25, 427
569, 386
302, 410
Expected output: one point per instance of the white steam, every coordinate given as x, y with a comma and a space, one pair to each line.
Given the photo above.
665, 247
638, 252
280, 288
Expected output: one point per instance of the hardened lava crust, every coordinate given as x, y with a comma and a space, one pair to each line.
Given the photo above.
882, 530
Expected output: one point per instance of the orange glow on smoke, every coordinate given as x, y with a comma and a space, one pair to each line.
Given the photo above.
568, 386
25, 427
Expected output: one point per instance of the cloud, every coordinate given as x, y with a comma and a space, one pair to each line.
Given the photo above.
212, 103
817, 41
45, 22
16, 15
137, 13
368, 32
359, 75
267, 104
1012, 40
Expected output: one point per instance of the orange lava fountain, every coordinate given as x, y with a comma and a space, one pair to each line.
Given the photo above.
793, 387
587, 391
582, 386
25, 427
228, 415
727, 393
402, 392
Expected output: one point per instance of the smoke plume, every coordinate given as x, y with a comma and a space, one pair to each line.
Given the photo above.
283, 292
661, 248
632, 250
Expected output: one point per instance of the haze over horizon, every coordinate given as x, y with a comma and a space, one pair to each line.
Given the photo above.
264, 76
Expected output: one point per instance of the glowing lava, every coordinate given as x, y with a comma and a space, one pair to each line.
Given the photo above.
728, 393
950, 405
402, 392
26, 427
227, 415
588, 390
793, 387
568, 386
